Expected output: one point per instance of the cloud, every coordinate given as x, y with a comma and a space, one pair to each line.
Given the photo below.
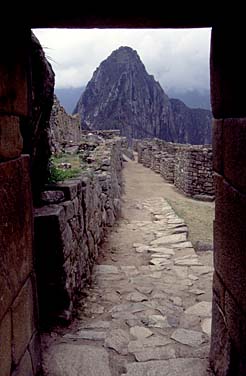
178, 58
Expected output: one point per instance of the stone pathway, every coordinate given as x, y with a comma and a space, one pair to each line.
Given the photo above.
148, 310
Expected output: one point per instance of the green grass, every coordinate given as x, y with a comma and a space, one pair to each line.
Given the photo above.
58, 173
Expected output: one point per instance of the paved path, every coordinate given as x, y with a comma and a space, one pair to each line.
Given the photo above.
148, 311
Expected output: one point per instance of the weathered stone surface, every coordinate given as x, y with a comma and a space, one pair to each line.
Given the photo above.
197, 291
5, 345
10, 138
16, 259
25, 366
158, 353
100, 324
23, 320
159, 261
158, 321
35, 127
217, 140
230, 264
225, 72
74, 360
181, 271
162, 250
118, 340
128, 308
142, 248
182, 245
52, 197
65, 128
206, 326
203, 309
87, 334
173, 367
140, 332
169, 239
145, 289
112, 297
35, 352
234, 151
101, 269
188, 337
201, 270
14, 82
222, 352
176, 300
149, 342
187, 261
136, 297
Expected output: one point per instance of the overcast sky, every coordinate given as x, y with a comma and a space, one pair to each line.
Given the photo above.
178, 58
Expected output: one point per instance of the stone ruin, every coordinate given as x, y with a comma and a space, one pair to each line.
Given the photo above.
64, 128
188, 167
70, 228
19, 345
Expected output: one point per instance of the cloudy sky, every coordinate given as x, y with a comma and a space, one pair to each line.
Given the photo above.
178, 58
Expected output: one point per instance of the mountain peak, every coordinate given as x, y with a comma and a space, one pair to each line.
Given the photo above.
122, 95
124, 51
124, 55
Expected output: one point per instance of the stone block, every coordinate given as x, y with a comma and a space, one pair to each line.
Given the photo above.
230, 239
222, 353
49, 217
25, 366
69, 188
50, 225
35, 353
234, 152
76, 204
23, 321
16, 228
11, 142
236, 325
227, 71
67, 238
5, 345
217, 140
69, 209
13, 69
51, 197
219, 291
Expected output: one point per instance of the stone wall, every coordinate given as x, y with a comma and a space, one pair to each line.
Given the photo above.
68, 234
64, 128
35, 127
193, 173
228, 79
188, 167
19, 339
106, 134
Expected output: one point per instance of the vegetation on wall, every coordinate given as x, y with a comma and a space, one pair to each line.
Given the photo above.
64, 166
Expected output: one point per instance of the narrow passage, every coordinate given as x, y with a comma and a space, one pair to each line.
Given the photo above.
148, 310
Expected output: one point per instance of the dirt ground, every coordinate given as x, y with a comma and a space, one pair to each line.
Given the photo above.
148, 308
198, 215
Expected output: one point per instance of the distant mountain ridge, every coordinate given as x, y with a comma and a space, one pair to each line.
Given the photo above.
193, 98
122, 95
68, 97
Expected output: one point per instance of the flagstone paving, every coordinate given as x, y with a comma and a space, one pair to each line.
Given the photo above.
148, 309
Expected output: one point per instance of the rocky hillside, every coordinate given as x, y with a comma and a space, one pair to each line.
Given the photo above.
64, 128
193, 125
122, 95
